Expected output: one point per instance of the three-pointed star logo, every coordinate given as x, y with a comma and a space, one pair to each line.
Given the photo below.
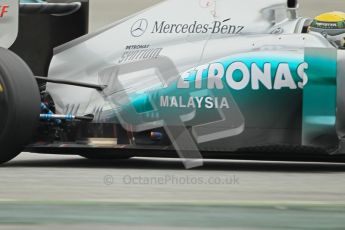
139, 27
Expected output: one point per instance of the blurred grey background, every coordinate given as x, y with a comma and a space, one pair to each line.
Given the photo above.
104, 12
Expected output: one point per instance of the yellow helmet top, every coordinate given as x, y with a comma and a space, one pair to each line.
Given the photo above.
334, 16
330, 20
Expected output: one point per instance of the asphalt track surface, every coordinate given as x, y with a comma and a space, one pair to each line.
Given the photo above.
60, 191
54, 192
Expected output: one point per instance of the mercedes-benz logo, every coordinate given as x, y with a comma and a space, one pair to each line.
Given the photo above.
139, 27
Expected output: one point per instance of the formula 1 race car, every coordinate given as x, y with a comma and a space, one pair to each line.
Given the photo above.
191, 78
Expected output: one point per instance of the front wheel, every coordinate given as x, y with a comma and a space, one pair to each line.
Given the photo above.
19, 105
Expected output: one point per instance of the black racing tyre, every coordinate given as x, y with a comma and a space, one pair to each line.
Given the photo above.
19, 105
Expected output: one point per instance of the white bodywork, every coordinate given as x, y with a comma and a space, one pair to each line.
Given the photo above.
253, 25
9, 14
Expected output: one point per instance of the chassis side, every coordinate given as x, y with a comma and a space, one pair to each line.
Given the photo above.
286, 127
